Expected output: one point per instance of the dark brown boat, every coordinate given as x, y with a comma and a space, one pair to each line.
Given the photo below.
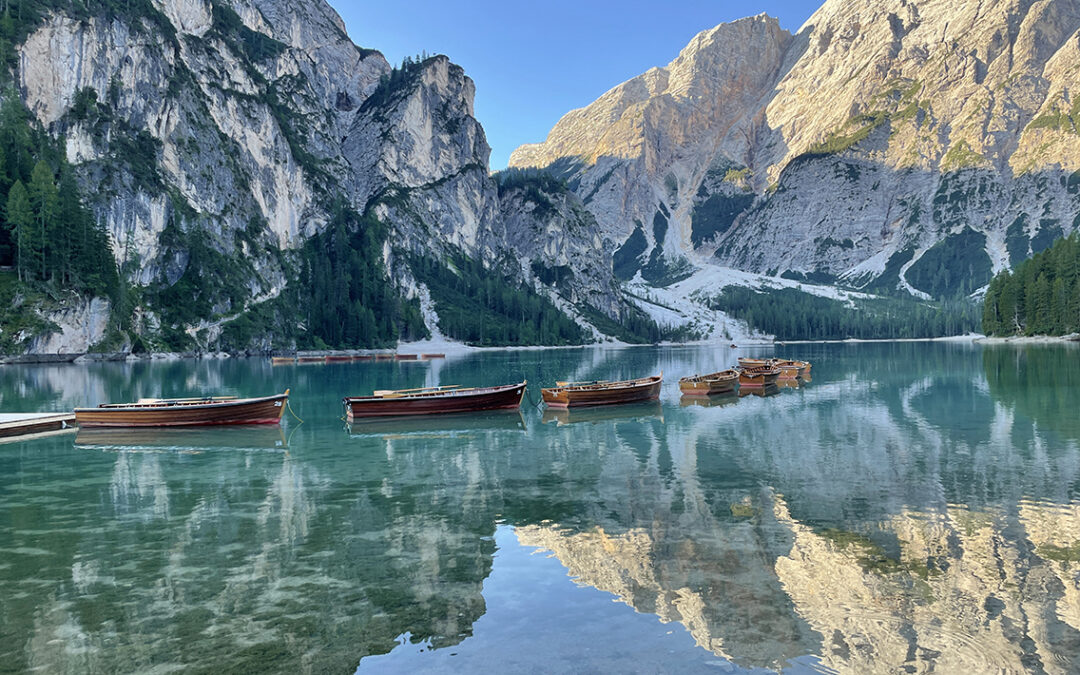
580, 394
185, 412
433, 356
434, 401
723, 382
756, 377
407, 357
338, 358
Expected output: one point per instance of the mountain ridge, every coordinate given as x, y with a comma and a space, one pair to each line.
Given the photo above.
879, 137
217, 142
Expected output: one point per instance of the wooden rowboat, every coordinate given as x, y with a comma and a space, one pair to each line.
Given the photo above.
407, 357
185, 412
746, 362
788, 370
722, 382
433, 356
792, 369
757, 377
338, 358
578, 394
804, 368
434, 401
282, 360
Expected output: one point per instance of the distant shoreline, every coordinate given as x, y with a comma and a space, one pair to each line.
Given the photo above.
450, 348
1032, 340
972, 337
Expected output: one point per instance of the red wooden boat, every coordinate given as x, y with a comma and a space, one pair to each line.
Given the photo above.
338, 358
407, 357
434, 401
580, 394
757, 377
185, 412
723, 382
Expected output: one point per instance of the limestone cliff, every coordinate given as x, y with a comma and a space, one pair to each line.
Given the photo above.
215, 139
878, 132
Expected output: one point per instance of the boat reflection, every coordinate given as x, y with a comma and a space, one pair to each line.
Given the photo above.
437, 425
768, 390
718, 401
628, 411
789, 384
252, 437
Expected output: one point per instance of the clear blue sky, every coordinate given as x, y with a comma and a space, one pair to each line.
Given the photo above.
534, 61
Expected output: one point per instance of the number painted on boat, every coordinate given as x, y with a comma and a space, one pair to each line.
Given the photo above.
277, 404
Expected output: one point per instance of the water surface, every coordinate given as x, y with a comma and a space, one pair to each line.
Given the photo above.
914, 509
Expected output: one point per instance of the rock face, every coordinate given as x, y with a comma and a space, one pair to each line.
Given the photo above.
214, 138
81, 325
879, 132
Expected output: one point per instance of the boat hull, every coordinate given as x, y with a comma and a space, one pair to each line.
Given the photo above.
612, 393
265, 410
788, 372
759, 377
507, 397
745, 362
709, 385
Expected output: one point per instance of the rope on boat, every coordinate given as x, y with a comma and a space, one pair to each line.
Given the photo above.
288, 406
531, 399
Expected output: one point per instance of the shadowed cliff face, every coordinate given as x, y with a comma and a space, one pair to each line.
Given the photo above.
878, 128
238, 126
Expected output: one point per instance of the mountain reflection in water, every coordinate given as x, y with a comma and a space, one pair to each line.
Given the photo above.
914, 509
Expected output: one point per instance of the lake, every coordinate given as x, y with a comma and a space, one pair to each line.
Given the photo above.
914, 508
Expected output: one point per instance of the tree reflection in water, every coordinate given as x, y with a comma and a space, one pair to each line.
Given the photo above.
914, 508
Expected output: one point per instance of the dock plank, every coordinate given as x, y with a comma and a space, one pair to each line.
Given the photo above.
22, 424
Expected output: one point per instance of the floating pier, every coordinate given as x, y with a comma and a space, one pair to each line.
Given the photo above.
13, 425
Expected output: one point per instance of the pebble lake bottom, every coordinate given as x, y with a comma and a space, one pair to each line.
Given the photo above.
913, 508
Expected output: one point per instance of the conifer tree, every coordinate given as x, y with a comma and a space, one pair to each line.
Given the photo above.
20, 219
46, 202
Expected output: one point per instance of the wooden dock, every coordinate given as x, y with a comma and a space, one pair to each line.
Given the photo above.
14, 425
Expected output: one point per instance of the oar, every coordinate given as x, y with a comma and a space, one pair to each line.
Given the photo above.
399, 392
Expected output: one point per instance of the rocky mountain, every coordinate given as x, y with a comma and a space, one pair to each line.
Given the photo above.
221, 143
898, 146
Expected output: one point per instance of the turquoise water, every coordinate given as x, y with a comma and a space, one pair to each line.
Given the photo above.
914, 508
